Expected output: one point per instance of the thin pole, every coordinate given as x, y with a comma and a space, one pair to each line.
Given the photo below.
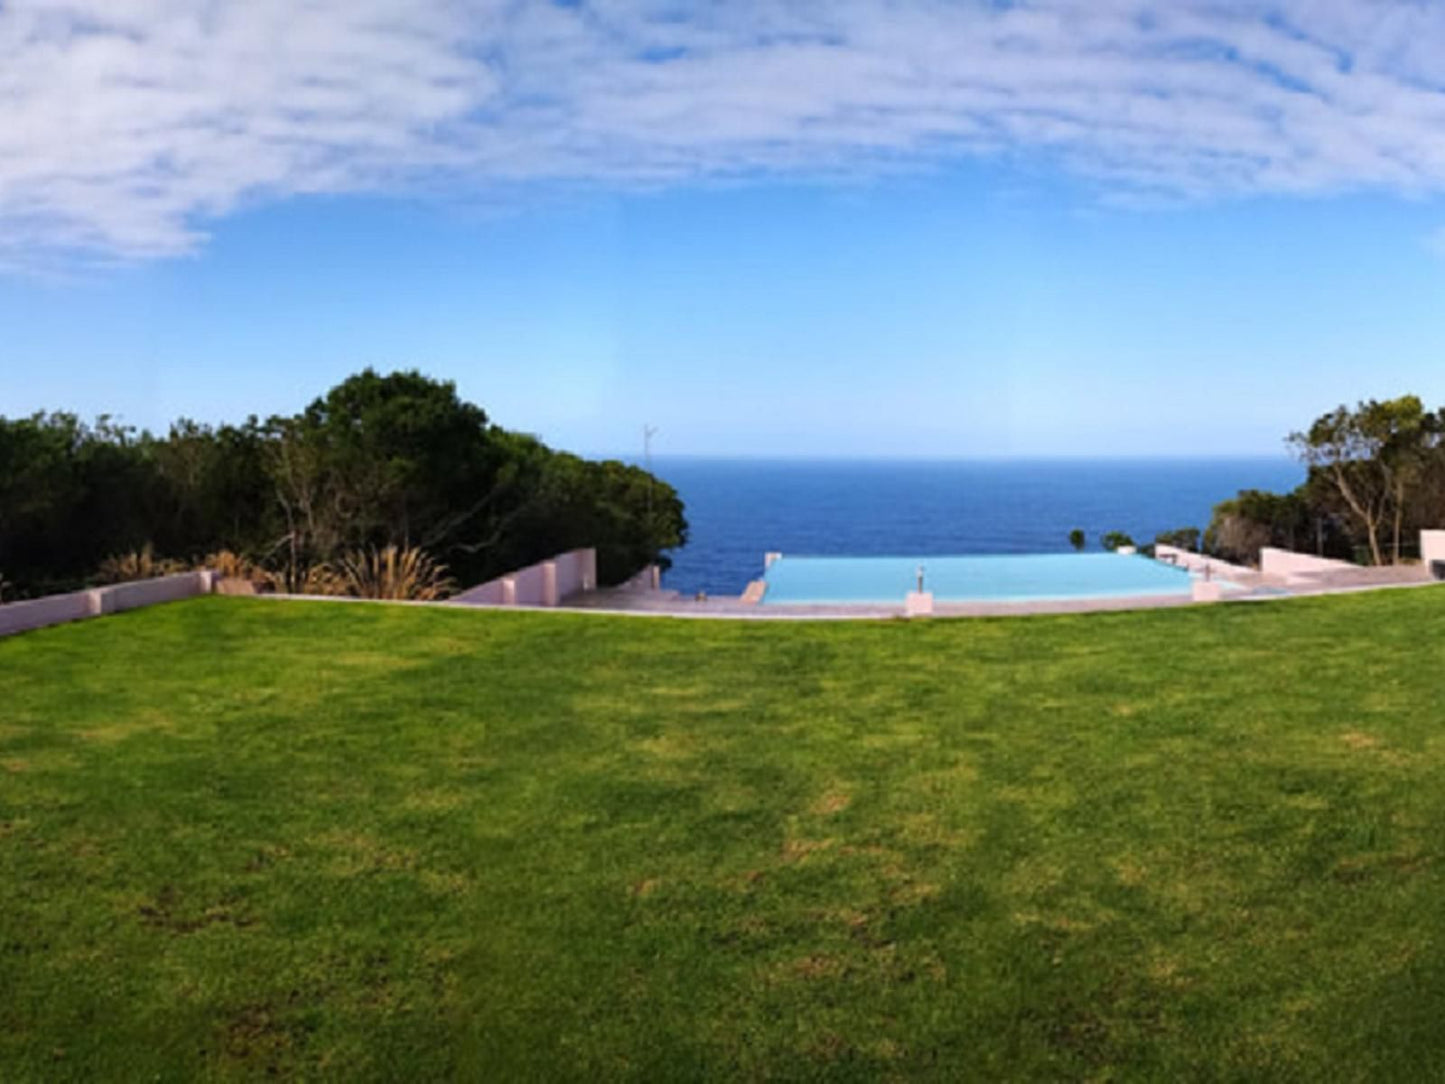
648, 432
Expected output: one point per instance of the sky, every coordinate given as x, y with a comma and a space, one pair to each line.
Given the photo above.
854, 228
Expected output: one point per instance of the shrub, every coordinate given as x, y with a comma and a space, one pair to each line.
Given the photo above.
392, 573
140, 564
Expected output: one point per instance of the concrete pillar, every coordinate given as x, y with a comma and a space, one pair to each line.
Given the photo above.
100, 601
918, 603
509, 590
549, 583
1432, 549
589, 569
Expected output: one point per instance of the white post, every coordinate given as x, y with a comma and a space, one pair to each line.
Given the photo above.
1432, 548
549, 583
918, 603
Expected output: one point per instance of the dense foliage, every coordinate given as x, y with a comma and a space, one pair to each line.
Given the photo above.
1376, 478
379, 460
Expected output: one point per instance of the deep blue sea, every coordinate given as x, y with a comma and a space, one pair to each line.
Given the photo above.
740, 509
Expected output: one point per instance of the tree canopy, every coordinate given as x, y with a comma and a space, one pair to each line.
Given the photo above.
1376, 476
380, 459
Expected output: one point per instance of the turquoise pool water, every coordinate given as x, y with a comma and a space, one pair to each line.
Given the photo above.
1010, 578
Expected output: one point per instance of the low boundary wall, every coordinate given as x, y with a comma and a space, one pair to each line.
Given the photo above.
97, 601
1277, 562
546, 583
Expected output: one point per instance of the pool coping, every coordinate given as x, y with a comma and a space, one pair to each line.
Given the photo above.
733, 610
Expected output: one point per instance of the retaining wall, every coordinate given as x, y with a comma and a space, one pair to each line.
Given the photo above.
546, 583
1278, 562
576, 572
78, 605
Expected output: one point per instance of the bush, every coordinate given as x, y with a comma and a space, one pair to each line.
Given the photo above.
390, 573
140, 564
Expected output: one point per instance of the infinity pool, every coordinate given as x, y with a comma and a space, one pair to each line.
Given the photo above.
1012, 578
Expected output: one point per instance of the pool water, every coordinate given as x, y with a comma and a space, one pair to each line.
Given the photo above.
1004, 578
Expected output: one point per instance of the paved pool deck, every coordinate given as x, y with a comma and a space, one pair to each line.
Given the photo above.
1244, 586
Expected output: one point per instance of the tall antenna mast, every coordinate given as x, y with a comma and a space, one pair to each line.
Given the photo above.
648, 432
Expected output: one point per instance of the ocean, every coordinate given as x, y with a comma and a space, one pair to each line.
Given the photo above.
740, 509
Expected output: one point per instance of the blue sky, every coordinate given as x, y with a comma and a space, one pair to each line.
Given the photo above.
969, 230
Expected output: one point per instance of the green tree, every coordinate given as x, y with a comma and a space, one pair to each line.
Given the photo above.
395, 459
1076, 539
70, 494
1372, 457
1246, 523
1114, 540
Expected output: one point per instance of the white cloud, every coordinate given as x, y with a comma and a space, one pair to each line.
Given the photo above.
127, 125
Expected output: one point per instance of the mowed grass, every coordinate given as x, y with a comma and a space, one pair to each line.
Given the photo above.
242, 838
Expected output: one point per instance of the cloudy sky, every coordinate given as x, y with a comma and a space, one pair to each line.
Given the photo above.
1067, 226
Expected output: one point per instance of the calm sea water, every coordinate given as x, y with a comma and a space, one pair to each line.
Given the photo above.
740, 509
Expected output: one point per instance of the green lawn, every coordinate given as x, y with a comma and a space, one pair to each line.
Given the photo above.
244, 837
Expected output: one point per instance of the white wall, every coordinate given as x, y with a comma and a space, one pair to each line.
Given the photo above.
576, 572
491, 593
1278, 562
40, 612
536, 585
546, 583
129, 596
58, 609
1432, 547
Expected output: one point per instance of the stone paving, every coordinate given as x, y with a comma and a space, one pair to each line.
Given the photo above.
1240, 584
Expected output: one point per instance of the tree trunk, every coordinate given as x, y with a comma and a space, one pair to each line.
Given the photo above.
1370, 520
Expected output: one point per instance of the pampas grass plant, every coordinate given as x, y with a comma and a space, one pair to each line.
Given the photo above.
394, 573
140, 564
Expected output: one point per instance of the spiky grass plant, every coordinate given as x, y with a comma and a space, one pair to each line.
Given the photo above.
233, 566
394, 573
141, 564
319, 579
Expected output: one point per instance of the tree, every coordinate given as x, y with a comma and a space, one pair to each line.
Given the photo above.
70, 495
379, 460
1372, 457
1253, 519
1114, 540
1076, 539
